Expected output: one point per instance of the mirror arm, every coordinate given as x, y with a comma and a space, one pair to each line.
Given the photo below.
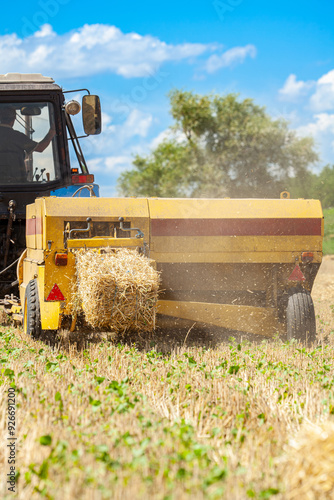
77, 90
76, 145
78, 137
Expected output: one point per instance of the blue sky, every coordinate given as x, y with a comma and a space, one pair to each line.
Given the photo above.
133, 53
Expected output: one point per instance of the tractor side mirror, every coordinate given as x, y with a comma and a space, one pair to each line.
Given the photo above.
91, 114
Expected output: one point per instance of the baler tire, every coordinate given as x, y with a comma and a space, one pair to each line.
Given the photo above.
300, 317
32, 312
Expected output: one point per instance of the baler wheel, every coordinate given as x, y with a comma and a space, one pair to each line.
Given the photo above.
32, 313
300, 317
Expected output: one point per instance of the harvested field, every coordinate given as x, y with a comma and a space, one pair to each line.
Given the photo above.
224, 420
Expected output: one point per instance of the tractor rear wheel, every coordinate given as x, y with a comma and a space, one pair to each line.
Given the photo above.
300, 317
32, 313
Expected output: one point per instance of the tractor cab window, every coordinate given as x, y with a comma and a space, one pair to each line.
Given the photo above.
28, 143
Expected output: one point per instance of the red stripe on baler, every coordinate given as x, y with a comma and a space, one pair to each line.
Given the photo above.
34, 226
30, 227
236, 227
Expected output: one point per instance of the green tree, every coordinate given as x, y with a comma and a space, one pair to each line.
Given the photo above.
222, 146
324, 186
160, 174
317, 186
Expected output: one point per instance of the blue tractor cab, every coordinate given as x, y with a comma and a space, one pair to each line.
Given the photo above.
35, 131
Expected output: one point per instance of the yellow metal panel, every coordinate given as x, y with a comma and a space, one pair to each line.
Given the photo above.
212, 244
63, 276
50, 311
257, 320
22, 290
40, 224
31, 226
97, 242
19, 269
230, 257
103, 208
54, 232
31, 241
56, 211
29, 270
35, 255
203, 208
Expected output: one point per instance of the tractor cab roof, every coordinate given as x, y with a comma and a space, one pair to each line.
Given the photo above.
27, 81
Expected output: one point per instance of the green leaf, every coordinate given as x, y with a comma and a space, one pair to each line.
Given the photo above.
9, 373
45, 440
234, 369
94, 402
99, 380
268, 493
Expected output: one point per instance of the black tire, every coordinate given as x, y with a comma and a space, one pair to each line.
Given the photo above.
32, 312
300, 317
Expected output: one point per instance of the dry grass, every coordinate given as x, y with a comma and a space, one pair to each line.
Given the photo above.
4, 318
117, 290
128, 423
310, 463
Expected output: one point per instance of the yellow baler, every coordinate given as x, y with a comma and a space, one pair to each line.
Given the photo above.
243, 264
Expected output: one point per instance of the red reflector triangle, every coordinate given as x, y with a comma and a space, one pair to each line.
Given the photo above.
55, 293
296, 275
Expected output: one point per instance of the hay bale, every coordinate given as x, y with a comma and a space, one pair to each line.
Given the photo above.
309, 470
118, 290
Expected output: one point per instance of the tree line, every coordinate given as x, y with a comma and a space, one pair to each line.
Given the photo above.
223, 146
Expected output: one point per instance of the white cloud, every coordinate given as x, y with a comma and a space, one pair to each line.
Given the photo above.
118, 164
108, 191
322, 130
137, 123
323, 98
323, 123
120, 141
110, 164
40, 55
107, 170
46, 30
165, 134
293, 89
236, 55
92, 49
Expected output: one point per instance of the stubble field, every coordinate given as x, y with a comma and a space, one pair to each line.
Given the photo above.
201, 417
